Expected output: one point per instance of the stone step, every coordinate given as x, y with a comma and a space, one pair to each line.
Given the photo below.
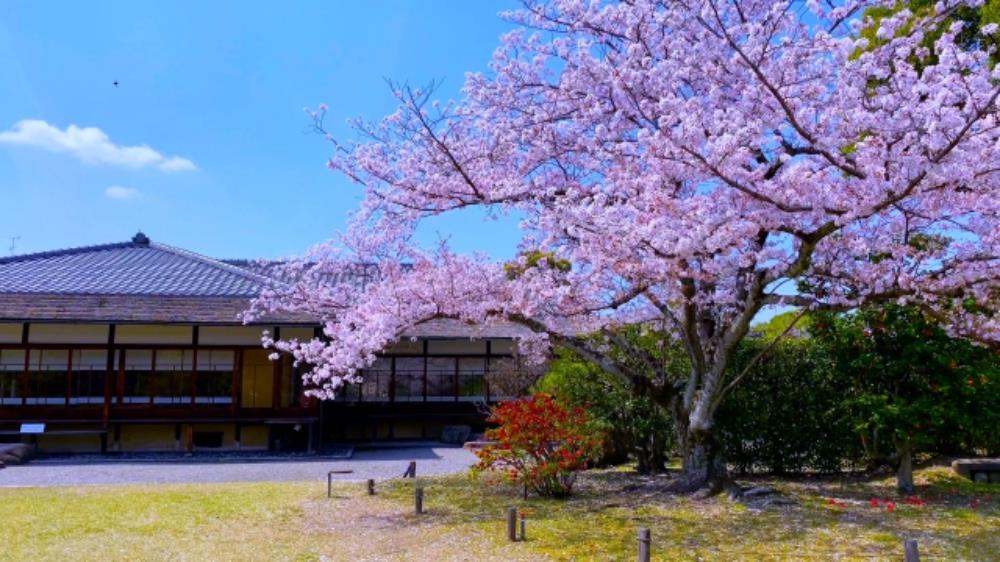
978, 470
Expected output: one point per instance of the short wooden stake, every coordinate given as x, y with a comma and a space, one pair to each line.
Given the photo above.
512, 523
371, 487
644, 545
911, 550
418, 499
329, 480
524, 536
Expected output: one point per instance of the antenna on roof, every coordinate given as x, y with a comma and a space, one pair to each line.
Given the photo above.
13, 244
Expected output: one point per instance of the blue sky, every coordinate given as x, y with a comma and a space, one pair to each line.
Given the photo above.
215, 90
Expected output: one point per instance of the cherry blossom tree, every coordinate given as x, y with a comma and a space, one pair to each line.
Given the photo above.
677, 167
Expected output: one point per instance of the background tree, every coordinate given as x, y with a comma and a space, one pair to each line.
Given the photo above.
693, 163
911, 386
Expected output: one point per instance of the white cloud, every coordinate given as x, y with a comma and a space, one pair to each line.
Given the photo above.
90, 145
121, 193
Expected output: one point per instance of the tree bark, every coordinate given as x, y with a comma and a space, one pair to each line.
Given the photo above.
904, 471
703, 467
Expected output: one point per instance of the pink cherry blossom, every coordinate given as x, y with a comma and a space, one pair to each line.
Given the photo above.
693, 163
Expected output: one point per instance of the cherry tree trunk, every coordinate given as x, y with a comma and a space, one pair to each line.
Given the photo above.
703, 467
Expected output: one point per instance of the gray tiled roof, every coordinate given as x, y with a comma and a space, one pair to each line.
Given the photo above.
142, 281
130, 308
195, 310
138, 267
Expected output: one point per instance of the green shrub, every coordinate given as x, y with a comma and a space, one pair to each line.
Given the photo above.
786, 415
637, 429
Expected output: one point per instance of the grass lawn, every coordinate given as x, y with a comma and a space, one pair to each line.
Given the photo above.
295, 521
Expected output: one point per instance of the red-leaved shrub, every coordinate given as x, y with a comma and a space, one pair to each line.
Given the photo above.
540, 443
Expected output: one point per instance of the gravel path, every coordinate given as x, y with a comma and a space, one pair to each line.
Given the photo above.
379, 464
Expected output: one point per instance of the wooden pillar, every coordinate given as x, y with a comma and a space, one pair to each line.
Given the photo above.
276, 382
237, 386
425, 349
392, 379
194, 365
69, 374
109, 371
455, 381
120, 389
25, 329
486, 371
152, 377
392, 395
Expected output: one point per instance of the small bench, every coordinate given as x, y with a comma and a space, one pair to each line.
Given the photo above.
978, 470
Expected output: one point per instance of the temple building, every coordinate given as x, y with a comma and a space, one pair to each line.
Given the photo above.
137, 346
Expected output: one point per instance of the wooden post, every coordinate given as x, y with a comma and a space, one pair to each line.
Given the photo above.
524, 535
644, 544
329, 484
912, 552
371, 487
512, 523
418, 498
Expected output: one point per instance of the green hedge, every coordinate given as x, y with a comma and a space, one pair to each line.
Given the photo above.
787, 415
806, 405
